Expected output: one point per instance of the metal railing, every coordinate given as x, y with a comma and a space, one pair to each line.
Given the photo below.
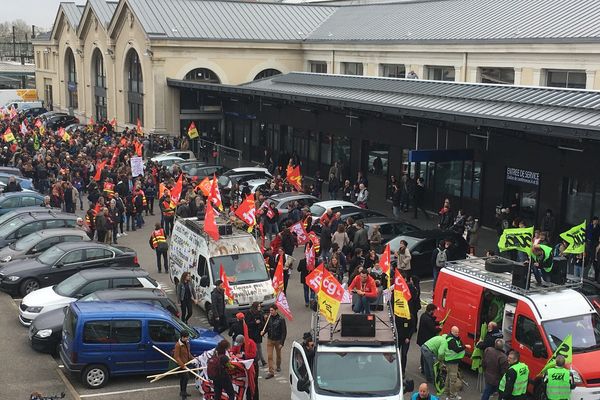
214, 153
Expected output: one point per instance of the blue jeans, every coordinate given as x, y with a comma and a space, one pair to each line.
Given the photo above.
139, 220
361, 304
308, 294
427, 360
436, 272
488, 390
578, 270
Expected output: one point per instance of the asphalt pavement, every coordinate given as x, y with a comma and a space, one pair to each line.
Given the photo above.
32, 370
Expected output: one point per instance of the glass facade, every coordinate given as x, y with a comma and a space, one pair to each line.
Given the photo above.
392, 70
440, 73
502, 76
350, 68
202, 75
265, 73
566, 79
319, 67
71, 80
135, 88
99, 75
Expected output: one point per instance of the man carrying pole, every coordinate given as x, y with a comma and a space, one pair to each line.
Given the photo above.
183, 355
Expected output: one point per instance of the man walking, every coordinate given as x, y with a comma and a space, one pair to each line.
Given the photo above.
513, 385
168, 213
158, 242
217, 302
559, 381
495, 364
455, 351
182, 355
276, 330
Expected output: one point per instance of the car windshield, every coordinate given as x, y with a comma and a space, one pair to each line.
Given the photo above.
26, 242
90, 297
68, 287
585, 329
11, 226
316, 210
364, 374
50, 256
185, 327
241, 268
395, 242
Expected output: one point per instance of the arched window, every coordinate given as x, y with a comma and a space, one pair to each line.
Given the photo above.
99, 92
202, 75
71, 79
265, 73
135, 87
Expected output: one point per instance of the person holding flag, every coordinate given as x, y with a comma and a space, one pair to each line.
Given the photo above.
541, 255
559, 380
217, 302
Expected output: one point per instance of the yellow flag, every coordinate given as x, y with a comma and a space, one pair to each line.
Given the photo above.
330, 296
565, 349
192, 131
66, 136
8, 136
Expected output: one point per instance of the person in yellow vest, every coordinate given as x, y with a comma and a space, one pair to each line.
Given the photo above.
109, 189
167, 207
158, 242
559, 381
454, 353
513, 385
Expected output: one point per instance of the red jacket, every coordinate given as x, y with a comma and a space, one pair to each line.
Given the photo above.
369, 286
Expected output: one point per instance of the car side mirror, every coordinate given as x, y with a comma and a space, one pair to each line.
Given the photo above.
303, 385
416, 253
204, 281
539, 350
59, 264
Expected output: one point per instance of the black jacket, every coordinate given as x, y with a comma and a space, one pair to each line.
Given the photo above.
405, 328
428, 328
254, 327
288, 242
490, 339
277, 328
236, 328
217, 300
303, 271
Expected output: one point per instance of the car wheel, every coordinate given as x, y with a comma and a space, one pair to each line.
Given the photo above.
498, 264
95, 376
28, 286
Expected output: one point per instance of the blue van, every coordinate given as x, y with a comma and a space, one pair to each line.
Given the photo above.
103, 339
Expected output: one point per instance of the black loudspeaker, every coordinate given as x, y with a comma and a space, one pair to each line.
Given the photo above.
520, 276
225, 229
358, 325
558, 274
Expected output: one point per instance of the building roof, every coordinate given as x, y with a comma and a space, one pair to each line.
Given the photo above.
228, 20
73, 12
16, 68
542, 109
464, 20
104, 10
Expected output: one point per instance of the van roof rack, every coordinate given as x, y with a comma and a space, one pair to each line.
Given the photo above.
385, 328
474, 267
224, 226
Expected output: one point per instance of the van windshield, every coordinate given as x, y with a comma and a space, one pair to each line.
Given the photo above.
240, 268
585, 329
366, 374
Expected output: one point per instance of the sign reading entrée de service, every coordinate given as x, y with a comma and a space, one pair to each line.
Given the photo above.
522, 176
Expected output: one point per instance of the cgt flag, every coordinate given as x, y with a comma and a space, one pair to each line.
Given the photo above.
330, 296
192, 131
226, 285
519, 239
385, 263
277, 282
575, 237
565, 349
283, 306
313, 280
247, 212
301, 235
294, 177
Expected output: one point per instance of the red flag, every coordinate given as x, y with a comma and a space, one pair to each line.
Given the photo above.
313, 280
97, 208
300, 232
316, 242
204, 186
226, 286
210, 226
176, 191
246, 211
138, 127
38, 123
92, 122
115, 157
261, 229
215, 195
275, 243
400, 284
113, 123
138, 148
99, 168
278, 276
309, 254
385, 264
284, 307
294, 177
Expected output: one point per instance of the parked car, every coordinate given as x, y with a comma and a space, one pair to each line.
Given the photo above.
25, 224
15, 213
45, 330
25, 183
11, 171
74, 127
356, 213
237, 175
60, 121
318, 209
79, 285
47, 115
283, 200
199, 173
186, 166
421, 245
105, 339
21, 277
12, 200
168, 161
389, 227
183, 154
32, 112
37, 242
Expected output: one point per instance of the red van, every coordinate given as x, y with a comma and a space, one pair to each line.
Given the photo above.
534, 321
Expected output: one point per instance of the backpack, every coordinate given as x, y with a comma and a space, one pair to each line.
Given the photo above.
213, 367
441, 258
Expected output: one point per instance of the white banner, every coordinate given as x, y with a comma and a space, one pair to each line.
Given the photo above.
137, 166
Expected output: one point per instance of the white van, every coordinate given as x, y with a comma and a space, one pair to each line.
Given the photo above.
355, 358
192, 250
24, 105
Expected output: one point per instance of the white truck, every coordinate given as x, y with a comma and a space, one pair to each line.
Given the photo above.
357, 357
192, 250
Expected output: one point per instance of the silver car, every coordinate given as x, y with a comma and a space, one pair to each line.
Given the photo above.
37, 242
